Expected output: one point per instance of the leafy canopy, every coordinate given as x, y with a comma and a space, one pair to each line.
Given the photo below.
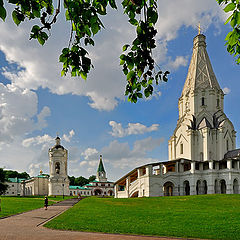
141, 71
233, 37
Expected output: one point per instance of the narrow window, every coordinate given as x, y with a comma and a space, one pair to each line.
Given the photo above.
227, 145
181, 148
203, 101
218, 102
201, 156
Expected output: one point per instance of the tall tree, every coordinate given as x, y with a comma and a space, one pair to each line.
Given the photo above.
3, 185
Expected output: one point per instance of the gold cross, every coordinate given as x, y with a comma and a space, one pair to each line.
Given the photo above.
199, 28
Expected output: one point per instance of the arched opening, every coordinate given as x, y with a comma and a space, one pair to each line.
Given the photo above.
235, 186
110, 193
216, 186
97, 192
57, 167
186, 186
223, 186
198, 187
135, 194
168, 189
204, 187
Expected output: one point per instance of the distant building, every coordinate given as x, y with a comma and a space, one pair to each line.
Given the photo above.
14, 186
100, 186
36, 185
203, 158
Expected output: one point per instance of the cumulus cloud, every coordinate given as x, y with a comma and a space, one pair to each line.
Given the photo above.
132, 129
178, 62
18, 108
38, 140
68, 137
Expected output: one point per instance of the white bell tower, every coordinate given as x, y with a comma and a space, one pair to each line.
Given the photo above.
58, 181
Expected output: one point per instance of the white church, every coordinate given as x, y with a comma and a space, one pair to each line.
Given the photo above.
203, 158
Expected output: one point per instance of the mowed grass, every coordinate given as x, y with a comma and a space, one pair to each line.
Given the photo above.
15, 205
202, 216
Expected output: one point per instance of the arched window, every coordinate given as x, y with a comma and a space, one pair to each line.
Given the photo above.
203, 101
57, 167
181, 148
227, 145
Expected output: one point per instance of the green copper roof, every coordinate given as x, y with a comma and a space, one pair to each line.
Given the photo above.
100, 166
16, 180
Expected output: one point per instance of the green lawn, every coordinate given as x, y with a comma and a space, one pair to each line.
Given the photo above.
203, 216
14, 205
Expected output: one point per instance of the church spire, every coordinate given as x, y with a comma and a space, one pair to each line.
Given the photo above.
200, 73
100, 166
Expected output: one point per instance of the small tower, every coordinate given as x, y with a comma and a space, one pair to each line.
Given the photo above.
101, 174
58, 181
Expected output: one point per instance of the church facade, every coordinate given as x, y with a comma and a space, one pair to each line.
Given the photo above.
203, 158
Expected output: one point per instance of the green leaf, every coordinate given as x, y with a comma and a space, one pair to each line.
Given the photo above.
139, 95
41, 40
130, 75
83, 75
15, 17
122, 62
229, 7
228, 19
113, 4
95, 28
133, 21
3, 13
125, 47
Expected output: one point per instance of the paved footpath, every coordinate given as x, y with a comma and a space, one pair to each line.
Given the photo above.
29, 226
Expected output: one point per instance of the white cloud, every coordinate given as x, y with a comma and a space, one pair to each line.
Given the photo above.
18, 108
89, 153
226, 90
39, 140
133, 128
178, 62
68, 137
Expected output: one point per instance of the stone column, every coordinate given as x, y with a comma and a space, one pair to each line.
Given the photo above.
116, 191
192, 167
149, 170
211, 165
127, 185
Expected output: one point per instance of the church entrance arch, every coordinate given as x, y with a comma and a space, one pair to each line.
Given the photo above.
205, 187
198, 187
97, 192
110, 193
168, 189
223, 186
235, 186
186, 186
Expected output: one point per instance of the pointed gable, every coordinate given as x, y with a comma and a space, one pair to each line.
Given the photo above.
200, 73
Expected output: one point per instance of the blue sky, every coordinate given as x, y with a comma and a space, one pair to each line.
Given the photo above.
94, 117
